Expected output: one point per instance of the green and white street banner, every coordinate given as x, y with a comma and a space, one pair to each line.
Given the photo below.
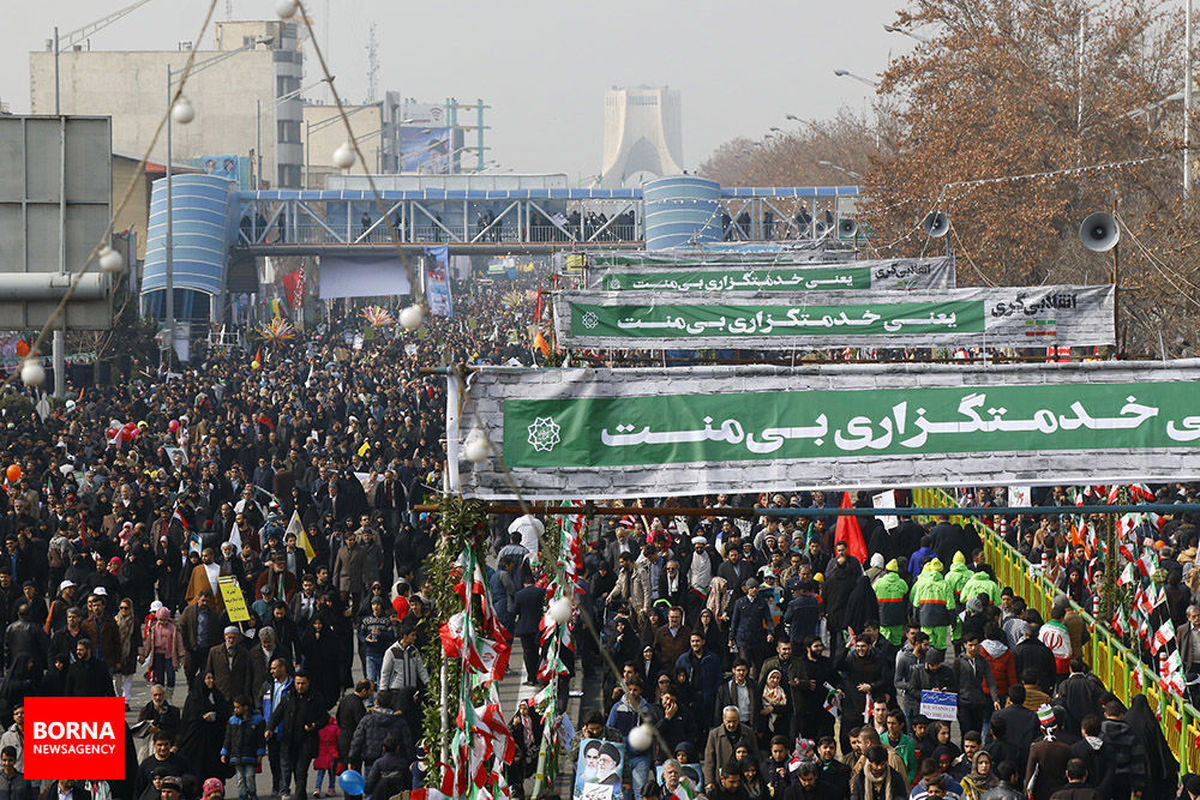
891, 273
1047, 316
818, 252
698, 430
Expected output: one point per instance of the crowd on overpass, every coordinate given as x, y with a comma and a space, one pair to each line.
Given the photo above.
779, 659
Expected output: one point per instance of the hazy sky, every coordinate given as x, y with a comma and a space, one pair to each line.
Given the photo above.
542, 65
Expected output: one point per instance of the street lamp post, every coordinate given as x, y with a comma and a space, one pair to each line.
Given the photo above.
845, 73
909, 34
849, 172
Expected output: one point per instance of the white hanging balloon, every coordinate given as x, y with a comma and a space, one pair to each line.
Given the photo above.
32, 372
477, 447
111, 261
286, 9
560, 611
183, 112
641, 737
343, 157
412, 317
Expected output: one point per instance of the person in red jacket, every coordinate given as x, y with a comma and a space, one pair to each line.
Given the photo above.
326, 761
996, 651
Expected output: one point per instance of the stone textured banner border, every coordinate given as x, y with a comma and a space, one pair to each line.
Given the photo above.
490, 387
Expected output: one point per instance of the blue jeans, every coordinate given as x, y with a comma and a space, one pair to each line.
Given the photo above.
374, 665
639, 769
163, 670
245, 781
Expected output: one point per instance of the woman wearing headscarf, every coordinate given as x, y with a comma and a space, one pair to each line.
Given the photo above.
163, 647
318, 657
202, 727
130, 635
981, 778
775, 714
22, 680
1162, 770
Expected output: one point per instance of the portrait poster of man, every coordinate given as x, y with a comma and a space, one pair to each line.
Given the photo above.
598, 771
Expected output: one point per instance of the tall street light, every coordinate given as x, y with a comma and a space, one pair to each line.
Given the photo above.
909, 34
849, 172
845, 73
197, 66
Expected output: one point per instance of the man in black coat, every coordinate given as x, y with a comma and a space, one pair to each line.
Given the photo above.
88, 676
302, 715
839, 583
1032, 653
529, 601
350, 711
863, 672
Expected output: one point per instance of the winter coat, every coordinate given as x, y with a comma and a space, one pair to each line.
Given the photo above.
327, 745
890, 593
377, 725
748, 626
933, 599
244, 743
1004, 668
296, 713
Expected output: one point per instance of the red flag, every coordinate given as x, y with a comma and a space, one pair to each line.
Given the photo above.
537, 306
293, 288
849, 531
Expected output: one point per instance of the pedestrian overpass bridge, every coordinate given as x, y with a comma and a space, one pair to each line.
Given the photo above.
219, 232
501, 221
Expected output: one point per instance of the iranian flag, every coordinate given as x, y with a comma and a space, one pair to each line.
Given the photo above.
684, 791
1148, 564
1127, 576
1164, 634
427, 794
1120, 621
1140, 491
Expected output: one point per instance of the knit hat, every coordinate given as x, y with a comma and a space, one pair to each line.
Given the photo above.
959, 558
893, 566
1045, 716
877, 560
213, 786
934, 564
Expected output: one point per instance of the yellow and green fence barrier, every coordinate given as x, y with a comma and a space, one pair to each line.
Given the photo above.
1117, 667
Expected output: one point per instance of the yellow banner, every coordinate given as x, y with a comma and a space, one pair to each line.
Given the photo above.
235, 601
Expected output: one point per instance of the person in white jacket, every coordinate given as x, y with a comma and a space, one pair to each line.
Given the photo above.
402, 665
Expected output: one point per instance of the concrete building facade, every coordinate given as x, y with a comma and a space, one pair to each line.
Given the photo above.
643, 136
235, 98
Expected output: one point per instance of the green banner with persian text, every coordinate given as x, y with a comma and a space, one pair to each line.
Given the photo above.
619, 433
897, 273
746, 426
1061, 316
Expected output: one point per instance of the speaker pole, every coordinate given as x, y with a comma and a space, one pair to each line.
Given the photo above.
1116, 279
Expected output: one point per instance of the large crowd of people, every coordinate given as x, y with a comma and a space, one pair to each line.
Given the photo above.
769, 660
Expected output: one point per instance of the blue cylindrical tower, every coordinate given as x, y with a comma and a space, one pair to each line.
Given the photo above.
204, 227
681, 211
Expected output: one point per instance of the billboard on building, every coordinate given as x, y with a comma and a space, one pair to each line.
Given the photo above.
231, 166
430, 151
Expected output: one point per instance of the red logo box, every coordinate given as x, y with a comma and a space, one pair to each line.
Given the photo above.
80, 738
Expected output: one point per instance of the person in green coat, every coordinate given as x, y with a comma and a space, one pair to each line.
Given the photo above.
979, 583
933, 600
956, 578
891, 592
